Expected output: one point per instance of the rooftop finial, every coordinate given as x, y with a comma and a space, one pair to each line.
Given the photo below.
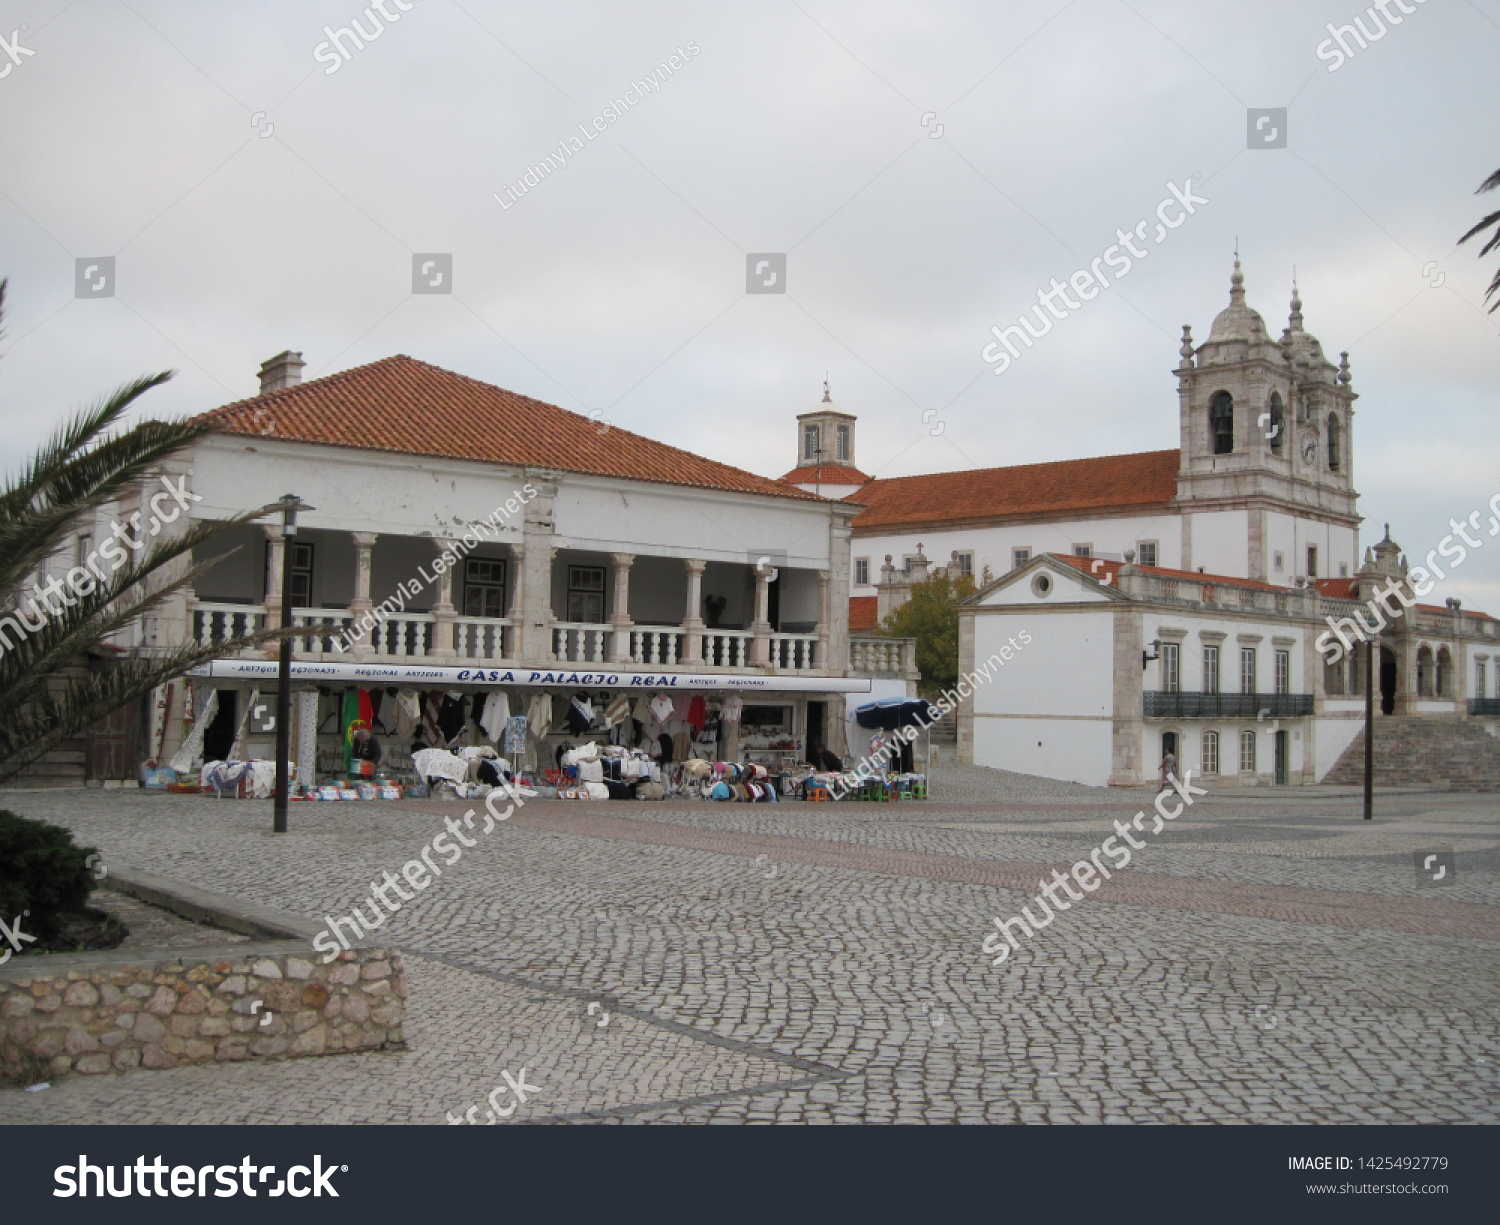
827, 395
1295, 320
1237, 278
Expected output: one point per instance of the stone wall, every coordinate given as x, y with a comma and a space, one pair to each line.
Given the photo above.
102, 1012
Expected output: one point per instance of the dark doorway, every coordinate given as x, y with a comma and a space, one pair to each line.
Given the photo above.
816, 715
1169, 744
111, 747
1281, 754
773, 603
218, 738
1387, 681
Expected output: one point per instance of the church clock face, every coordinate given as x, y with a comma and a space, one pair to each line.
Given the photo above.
1309, 448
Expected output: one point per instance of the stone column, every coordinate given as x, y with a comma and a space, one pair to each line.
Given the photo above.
835, 614
760, 646
619, 619
534, 629
516, 612
275, 556
1128, 725
692, 623
364, 645
825, 660
443, 613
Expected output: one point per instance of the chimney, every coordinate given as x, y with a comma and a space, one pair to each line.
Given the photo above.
283, 370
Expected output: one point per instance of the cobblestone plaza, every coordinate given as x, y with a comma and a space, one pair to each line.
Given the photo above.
1269, 957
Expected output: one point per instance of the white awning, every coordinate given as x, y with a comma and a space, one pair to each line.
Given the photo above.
569, 676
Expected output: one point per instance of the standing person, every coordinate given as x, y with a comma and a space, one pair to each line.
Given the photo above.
1168, 770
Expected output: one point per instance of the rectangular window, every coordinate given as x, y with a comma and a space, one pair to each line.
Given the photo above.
1210, 752
1280, 562
1146, 552
1171, 668
861, 571
843, 444
1283, 672
1343, 569
810, 442
302, 575
1019, 557
1210, 669
1083, 550
1247, 752
586, 594
85, 547
484, 588
1479, 678
1312, 561
1247, 669
965, 564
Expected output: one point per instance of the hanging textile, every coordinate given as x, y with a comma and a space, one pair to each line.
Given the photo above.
496, 715
732, 707
190, 755
348, 720
237, 749
385, 710
661, 707
618, 710
540, 718
307, 737
452, 716
697, 714
432, 703
515, 736
580, 714
368, 699
408, 716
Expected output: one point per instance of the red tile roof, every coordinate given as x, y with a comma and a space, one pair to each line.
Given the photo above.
827, 474
1148, 478
1335, 588
405, 406
863, 612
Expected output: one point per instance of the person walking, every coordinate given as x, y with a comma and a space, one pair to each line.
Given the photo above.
1168, 770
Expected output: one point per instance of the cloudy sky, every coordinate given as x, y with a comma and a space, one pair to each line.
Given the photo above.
924, 167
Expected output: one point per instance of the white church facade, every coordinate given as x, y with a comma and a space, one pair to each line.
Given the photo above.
1175, 601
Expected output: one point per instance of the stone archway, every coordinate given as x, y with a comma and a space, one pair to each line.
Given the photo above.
1388, 677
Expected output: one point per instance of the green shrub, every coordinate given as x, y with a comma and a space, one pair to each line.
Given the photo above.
41, 871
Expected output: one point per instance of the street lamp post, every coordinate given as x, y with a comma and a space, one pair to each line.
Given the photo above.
290, 504
1369, 727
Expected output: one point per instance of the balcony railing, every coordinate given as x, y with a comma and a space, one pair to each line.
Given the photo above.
1488, 707
879, 656
727, 648
1160, 705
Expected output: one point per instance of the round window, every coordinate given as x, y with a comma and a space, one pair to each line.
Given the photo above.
1042, 585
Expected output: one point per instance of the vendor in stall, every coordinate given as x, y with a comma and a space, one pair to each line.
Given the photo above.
364, 747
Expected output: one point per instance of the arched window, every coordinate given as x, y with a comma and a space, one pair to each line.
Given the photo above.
1333, 443
1424, 672
1210, 752
1442, 674
1277, 432
843, 444
1221, 422
809, 442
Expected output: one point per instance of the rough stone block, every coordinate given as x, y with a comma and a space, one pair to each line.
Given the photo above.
127, 1057
152, 1056
243, 1025
267, 1047
304, 1021
266, 968
315, 995
334, 1007
148, 1028
192, 1003
217, 1008
311, 1042
163, 1002
380, 987
173, 1045
297, 968
386, 1014
61, 1065
377, 969
110, 995
113, 1038
185, 1027
357, 1009
234, 985
232, 1049
400, 985
344, 975
92, 1065
79, 1041
213, 1027
80, 995
17, 1006
138, 991
49, 1045
49, 1003
198, 1050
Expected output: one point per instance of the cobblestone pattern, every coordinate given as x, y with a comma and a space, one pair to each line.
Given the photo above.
107, 1013
860, 961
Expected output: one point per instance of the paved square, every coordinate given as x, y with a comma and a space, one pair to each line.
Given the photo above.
1268, 958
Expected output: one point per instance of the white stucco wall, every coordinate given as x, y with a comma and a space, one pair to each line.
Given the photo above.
992, 546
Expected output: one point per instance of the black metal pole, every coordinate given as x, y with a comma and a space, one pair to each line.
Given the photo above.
284, 672
1369, 728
